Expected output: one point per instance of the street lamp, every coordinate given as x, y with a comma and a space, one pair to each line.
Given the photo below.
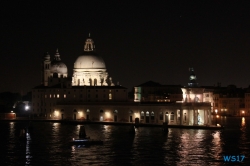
27, 108
217, 116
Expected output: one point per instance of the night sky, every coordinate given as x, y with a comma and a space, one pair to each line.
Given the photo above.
138, 41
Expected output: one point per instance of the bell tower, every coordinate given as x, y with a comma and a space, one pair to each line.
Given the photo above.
46, 69
192, 78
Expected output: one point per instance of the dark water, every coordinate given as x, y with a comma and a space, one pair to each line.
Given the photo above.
49, 144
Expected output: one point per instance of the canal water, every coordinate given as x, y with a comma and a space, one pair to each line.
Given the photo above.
49, 144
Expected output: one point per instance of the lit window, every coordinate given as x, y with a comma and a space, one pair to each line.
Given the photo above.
110, 96
50, 96
88, 110
64, 95
45, 96
54, 95
58, 95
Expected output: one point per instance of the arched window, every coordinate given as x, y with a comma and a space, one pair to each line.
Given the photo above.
115, 111
142, 115
196, 99
152, 115
88, 110
147, 113
172, 116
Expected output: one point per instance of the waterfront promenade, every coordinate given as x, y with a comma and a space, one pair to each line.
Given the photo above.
76, 122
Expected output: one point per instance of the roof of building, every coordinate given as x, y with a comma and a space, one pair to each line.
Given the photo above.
156, 84
62, 86
149, 84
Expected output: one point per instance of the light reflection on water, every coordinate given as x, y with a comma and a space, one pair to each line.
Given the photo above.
243, 122
49, 144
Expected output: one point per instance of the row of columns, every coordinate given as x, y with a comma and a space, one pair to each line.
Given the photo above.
207, 116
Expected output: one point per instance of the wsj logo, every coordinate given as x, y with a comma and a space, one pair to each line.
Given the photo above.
238, 158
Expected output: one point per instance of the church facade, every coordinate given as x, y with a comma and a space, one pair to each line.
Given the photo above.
90, 94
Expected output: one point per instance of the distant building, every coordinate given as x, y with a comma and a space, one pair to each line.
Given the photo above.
229, 100
154, 92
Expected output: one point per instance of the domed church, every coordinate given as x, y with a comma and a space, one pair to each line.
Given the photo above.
91, 95
54, 69
89, 68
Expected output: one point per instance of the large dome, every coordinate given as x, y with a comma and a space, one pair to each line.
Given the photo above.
59, 68
89, 62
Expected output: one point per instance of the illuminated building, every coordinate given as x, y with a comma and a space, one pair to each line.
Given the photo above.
154, 92
230, 100
91, 95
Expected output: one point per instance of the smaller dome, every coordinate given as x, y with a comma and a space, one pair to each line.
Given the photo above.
59, 68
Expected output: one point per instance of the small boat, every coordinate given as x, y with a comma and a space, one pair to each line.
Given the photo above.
86, 141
